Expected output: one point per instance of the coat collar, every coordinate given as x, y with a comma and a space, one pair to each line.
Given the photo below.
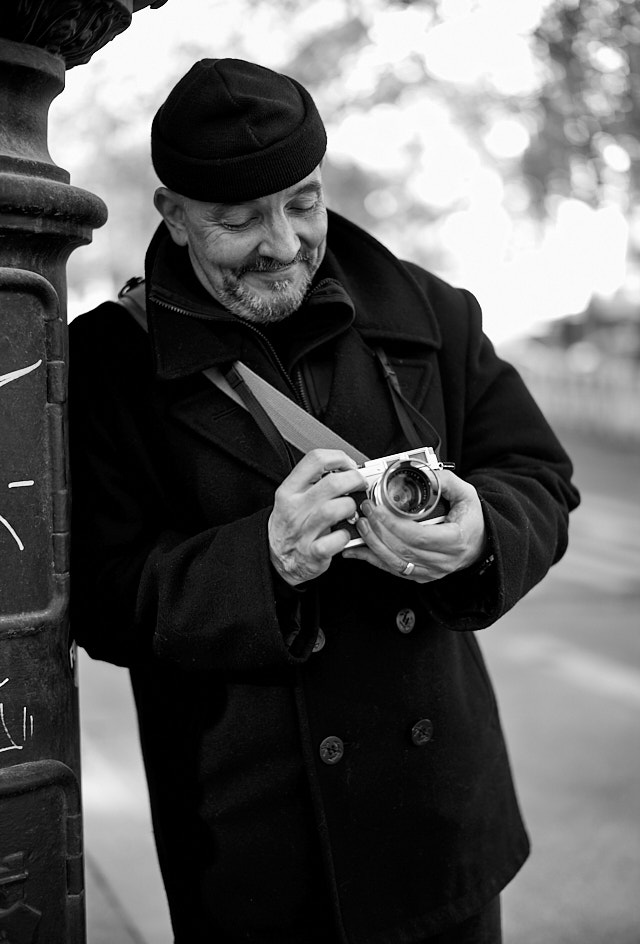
359, 282
389, 302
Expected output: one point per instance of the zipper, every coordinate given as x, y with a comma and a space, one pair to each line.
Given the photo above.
295, 384
301, 390
181, 311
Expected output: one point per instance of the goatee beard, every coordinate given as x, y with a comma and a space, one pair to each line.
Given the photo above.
284, 298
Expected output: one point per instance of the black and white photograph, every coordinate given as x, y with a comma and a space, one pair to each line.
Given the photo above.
319, 465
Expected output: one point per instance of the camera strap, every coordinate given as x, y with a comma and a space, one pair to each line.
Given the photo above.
278, 417
409, 423
293, 423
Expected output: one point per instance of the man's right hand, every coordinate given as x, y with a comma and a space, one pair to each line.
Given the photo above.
307, 505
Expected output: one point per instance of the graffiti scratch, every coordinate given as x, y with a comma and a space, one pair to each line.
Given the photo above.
15, 374
12, 744
12, 532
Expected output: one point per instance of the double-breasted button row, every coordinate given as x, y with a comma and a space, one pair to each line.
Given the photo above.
405, 621
332, 748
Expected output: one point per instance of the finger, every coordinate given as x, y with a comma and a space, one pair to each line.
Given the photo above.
440, 547
453, 488
465, 514
328, 545
393, 555
315, 464
312, 551
312, 470
404, 536
364, 553
338, 483
411, 541
328, 514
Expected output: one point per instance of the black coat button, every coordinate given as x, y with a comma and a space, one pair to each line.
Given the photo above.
405, 620
331, 750
421, 732
320, 641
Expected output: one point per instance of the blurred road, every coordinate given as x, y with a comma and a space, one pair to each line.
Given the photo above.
566, 665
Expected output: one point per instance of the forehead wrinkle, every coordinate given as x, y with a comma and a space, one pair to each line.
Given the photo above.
309, 186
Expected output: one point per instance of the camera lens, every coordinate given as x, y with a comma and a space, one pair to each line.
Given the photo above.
409, 488
408, 491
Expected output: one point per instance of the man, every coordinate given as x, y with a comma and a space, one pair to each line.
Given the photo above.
322, 744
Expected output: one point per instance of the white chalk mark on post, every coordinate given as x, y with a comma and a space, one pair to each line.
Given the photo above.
24, 484
12, 532
15, 374
12, 744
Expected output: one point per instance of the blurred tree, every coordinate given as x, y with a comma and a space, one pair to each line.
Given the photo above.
410, 121
588, 140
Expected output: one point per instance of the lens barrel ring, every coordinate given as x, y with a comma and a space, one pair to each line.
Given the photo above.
409, 488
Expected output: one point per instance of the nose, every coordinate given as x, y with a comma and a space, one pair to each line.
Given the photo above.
280, 240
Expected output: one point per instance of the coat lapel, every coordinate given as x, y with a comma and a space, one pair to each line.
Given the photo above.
220, 422
360, 405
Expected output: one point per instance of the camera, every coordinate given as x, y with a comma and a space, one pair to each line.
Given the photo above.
408, 484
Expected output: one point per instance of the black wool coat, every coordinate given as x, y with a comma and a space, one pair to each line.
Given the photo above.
334, 752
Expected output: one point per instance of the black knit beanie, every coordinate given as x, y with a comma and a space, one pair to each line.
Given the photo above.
232, 131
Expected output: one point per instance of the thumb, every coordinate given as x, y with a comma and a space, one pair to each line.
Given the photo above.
455, 489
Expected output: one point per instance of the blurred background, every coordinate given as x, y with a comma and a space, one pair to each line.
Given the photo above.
496, 143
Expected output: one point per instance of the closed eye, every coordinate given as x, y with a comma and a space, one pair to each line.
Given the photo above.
236, 227
304, 207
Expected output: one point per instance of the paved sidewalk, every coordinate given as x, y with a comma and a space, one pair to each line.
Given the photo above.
125, 898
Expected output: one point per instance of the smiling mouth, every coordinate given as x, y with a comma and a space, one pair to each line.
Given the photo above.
280, 273
282, 277
272, 268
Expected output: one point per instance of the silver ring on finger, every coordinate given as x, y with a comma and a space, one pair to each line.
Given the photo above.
408, 570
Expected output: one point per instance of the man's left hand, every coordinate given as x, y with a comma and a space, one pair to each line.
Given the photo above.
435, 550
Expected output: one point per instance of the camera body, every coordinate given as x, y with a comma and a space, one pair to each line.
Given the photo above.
407, 483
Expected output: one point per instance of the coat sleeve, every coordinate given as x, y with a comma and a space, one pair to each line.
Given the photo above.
144, 583
504, 446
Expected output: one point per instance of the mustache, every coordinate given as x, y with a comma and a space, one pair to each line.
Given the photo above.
267, 264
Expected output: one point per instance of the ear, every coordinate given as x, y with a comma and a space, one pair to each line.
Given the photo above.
171, 208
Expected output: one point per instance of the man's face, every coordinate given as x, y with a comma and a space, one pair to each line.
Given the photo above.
257, 258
